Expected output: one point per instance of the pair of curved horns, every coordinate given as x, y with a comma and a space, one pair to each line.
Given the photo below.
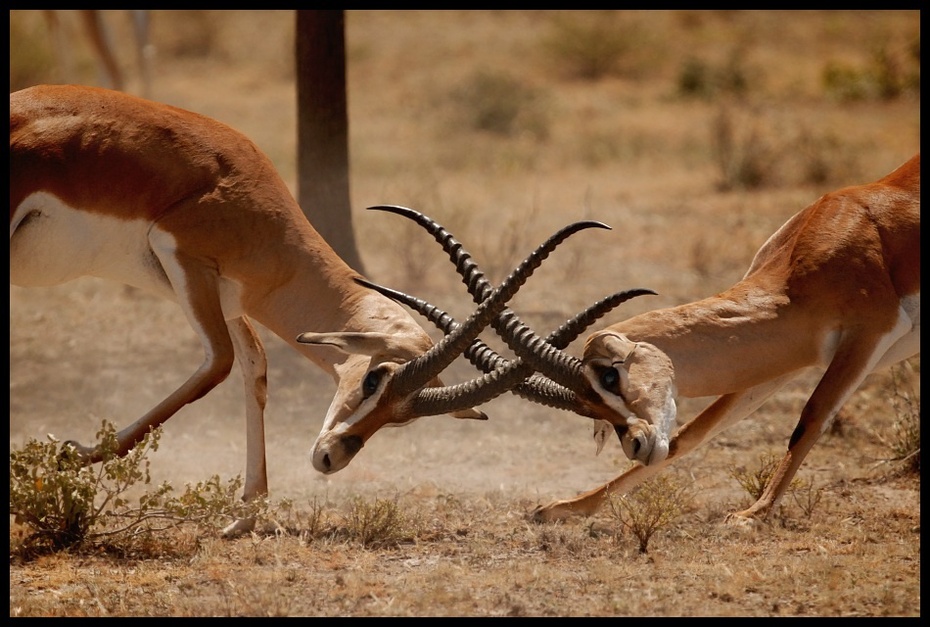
415, 374
563, 378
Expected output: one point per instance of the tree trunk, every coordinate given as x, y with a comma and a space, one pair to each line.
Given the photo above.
323, 130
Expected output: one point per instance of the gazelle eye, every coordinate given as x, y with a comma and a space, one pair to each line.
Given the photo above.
370, 383
610, 380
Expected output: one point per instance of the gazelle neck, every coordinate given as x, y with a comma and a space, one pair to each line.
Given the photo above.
323, 298
728, 342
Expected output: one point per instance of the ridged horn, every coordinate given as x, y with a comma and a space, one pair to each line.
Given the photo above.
537, 389
478, 286
417, 373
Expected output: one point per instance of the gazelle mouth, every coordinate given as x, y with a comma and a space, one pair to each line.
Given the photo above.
352, 444
338, 456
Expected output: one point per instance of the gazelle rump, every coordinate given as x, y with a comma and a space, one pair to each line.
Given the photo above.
109, 185
836, 287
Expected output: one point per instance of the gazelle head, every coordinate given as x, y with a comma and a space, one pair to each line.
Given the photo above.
632, 386
627, 384
375, 391
386, 380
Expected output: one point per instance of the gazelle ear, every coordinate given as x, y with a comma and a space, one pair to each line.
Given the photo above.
354, 343
469, 414
618, 347
602, 430
463, 414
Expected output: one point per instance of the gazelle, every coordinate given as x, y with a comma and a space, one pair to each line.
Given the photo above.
110, 185
836, 287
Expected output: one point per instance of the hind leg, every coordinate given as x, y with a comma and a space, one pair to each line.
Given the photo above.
850, 366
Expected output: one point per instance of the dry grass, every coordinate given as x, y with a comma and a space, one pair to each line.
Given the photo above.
627, 147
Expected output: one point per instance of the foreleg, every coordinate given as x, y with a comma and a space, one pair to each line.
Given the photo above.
719, 415
250, 355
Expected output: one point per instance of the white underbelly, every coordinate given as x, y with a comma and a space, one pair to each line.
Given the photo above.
907, 342
52, 243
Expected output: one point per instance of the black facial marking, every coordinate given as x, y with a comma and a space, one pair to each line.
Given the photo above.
352, 444
621, 431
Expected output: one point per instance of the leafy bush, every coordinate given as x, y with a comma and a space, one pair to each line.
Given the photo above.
904, 440
67, 504
699, 79
378, 523
889, 74
806, 496
755, 480
745, 155
757, 148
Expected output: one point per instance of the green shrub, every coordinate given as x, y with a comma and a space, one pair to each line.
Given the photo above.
904, 441
845, 83
699, 79
887, 75
761, 148
753, 480
806, 496
66, 504
745, 155
379, 523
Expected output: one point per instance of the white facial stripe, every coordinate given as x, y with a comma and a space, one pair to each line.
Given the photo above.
330, 424
615, 401
624, 374
619, 405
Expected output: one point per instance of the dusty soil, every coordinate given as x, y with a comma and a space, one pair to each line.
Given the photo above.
90, 350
